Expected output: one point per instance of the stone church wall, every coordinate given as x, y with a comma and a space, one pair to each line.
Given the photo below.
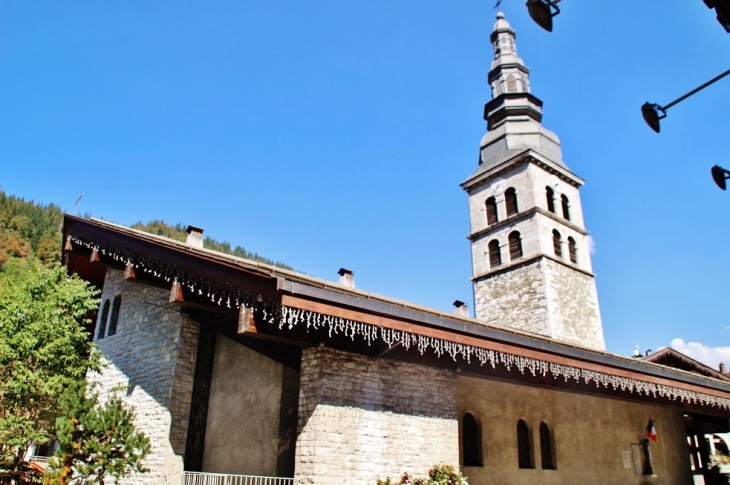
575, 314
543, 297
151, 358
362, 419
516, 298
590, 433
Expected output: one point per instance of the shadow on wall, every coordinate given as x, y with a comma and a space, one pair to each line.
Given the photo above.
341, 379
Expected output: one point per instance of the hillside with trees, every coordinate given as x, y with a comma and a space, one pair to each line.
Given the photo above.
30, 229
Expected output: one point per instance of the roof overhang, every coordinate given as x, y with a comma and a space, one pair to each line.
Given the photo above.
265, 302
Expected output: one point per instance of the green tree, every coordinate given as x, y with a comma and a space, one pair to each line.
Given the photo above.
96, 441
44, 349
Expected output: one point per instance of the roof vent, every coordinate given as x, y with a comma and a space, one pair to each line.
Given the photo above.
347, 278
722, 368
195, 237
461, 309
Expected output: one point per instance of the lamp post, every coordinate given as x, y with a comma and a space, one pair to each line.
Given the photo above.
650, 111
541, 11
720, 176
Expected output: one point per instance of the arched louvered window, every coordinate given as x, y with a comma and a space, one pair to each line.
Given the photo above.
550, 195
557, 243
471, 441
510, 198
495, 255
566, 206
115, 315
102, 320
492, 217
511, 84
515, 245
524, 447
572, 251
547, 448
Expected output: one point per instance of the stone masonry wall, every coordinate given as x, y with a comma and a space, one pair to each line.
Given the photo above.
362, 419
517, 299
543, 297
574, 306
152, 359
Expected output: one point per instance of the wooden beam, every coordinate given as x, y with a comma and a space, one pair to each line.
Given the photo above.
246, 323
129, 273
94, 258
394, 324
176, 293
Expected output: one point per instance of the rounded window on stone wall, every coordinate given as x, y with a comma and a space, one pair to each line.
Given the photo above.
550, 197
572, 251
566, 206
557, 243
492, 217
547, 448
510, 198
495, 255
471, 440
515, 245
115, 315
525, 454
102, 320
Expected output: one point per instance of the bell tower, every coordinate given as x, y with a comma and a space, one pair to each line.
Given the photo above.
530, 249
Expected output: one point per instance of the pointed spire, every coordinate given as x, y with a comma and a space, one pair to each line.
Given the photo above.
510, 80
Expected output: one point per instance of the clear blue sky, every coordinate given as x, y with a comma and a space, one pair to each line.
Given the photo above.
331, 134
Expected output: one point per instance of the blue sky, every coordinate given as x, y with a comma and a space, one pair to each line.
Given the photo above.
335, 134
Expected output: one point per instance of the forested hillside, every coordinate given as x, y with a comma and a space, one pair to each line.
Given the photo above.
31, 229
178, 232
27, 228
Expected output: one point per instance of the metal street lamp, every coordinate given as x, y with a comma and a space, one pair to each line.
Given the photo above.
650, 111
720, 176
541, 11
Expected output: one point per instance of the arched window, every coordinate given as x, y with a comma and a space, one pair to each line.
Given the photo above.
550, 195
547, 448
557, 243
515, 245
102, 320
492, 211
510, 198
115, 315
495, 255
572, 251
471, 441
566, 206
524, 448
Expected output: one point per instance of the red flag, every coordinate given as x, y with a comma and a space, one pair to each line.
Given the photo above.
651, 430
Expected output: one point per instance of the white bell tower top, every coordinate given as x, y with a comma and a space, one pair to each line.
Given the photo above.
530, 249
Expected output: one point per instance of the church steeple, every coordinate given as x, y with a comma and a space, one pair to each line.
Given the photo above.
510, 80
530, 249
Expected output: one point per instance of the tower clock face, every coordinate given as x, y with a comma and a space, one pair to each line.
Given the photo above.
497, 187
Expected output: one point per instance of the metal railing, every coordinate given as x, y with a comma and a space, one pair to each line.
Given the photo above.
202, 478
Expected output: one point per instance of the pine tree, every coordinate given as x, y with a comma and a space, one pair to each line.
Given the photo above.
97, 441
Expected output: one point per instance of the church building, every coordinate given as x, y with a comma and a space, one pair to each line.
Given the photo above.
241, 370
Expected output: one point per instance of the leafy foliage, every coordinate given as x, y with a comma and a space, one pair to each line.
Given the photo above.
96, 441
44, 349
438, 475
178, 232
